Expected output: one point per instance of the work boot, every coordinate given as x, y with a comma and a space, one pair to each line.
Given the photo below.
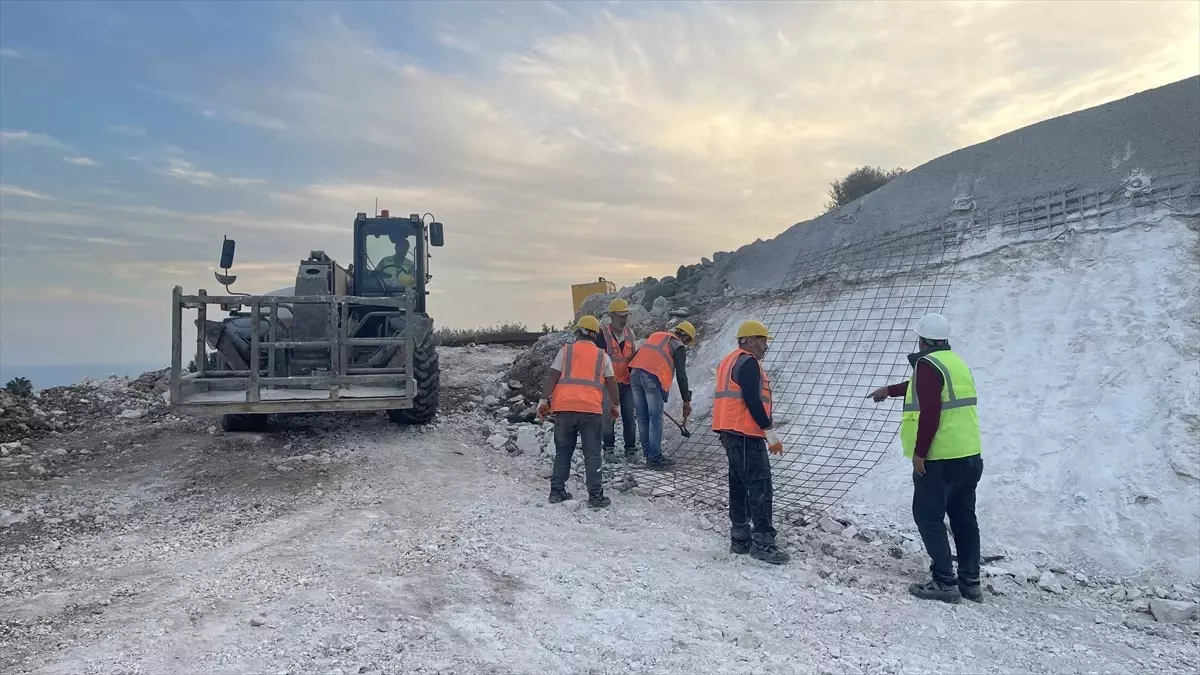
661, 463
598, 501
739, 546
769, 553
936, 590
972, 592
630, 454
610, 455
557, 496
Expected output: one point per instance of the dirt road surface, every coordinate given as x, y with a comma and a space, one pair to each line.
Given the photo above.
333, 547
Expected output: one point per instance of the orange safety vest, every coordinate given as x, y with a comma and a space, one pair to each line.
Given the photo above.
620, 356
580, 388
729, 411
654, 357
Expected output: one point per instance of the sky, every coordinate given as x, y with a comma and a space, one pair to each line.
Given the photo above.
557, 142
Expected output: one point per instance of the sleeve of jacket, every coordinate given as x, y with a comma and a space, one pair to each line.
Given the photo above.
748, 379
929, 396
680, 355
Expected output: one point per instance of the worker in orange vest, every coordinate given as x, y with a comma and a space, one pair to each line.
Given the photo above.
741, 415
574, 392
661, 358
617, 340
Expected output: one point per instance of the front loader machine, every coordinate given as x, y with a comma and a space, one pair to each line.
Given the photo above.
341, 339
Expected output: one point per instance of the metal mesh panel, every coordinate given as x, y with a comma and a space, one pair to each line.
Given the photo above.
842, 322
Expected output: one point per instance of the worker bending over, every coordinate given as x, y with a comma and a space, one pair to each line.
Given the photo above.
741, 415
617, 340
939, 429
661, 357
574, 393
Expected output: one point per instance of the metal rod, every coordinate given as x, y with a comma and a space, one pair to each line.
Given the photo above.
176, 345
292, 299
230, 375
252, 392
273, 335
309, 381
335, 345
201, 352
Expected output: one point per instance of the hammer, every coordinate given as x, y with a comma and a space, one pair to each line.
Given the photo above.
682, 429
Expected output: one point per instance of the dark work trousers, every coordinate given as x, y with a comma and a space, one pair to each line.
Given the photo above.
569, 427
948, 489
749, 488
628, 419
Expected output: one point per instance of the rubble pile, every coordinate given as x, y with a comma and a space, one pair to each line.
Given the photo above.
91, 404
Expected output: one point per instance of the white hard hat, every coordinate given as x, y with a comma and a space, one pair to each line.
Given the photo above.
933, 327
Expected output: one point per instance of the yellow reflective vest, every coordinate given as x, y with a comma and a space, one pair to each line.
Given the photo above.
958, 426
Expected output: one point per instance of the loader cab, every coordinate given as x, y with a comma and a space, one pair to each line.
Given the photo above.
391, 255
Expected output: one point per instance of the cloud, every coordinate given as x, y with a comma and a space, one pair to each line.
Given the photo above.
127, 130
9, 53
15, 191
30, 138
221, 111
80, 161
187, 172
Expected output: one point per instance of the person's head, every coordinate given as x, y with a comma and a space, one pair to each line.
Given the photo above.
587, 327
753, 337
686, 332
933, 330
618, 313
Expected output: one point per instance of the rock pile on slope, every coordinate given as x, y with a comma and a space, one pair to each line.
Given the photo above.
91, 404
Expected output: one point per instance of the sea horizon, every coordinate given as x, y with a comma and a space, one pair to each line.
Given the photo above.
44, 376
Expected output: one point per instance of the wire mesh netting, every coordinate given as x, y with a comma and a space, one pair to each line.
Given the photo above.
842, 324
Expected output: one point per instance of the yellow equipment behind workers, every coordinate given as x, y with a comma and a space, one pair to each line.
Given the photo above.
580, 292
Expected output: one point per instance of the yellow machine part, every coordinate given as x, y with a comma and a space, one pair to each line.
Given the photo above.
580, 292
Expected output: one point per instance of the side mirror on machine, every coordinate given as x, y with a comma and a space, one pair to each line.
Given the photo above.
227, 248
436, 235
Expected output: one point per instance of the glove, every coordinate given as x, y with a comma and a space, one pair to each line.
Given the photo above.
543, 409
687, 409
774, 445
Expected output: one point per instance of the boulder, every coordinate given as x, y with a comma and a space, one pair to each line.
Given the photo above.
1173, 611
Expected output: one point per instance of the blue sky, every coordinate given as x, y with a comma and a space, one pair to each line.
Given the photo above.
557, 141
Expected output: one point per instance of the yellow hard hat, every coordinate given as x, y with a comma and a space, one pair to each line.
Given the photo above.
753, 328
618, 306
688, 329
588, 322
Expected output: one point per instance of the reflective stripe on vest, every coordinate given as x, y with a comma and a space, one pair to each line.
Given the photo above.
958, 426
730, 412
580, 387
654, 357
620, 356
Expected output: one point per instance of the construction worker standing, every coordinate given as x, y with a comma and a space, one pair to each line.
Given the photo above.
939, 429
574, 393
741, 415
617, 340
661, 357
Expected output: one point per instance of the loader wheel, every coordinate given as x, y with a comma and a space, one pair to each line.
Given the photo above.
238, 423
427, 374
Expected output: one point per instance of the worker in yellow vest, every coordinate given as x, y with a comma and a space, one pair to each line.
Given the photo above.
574, 392
617, 340
661, 358
939, 430
741, 416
